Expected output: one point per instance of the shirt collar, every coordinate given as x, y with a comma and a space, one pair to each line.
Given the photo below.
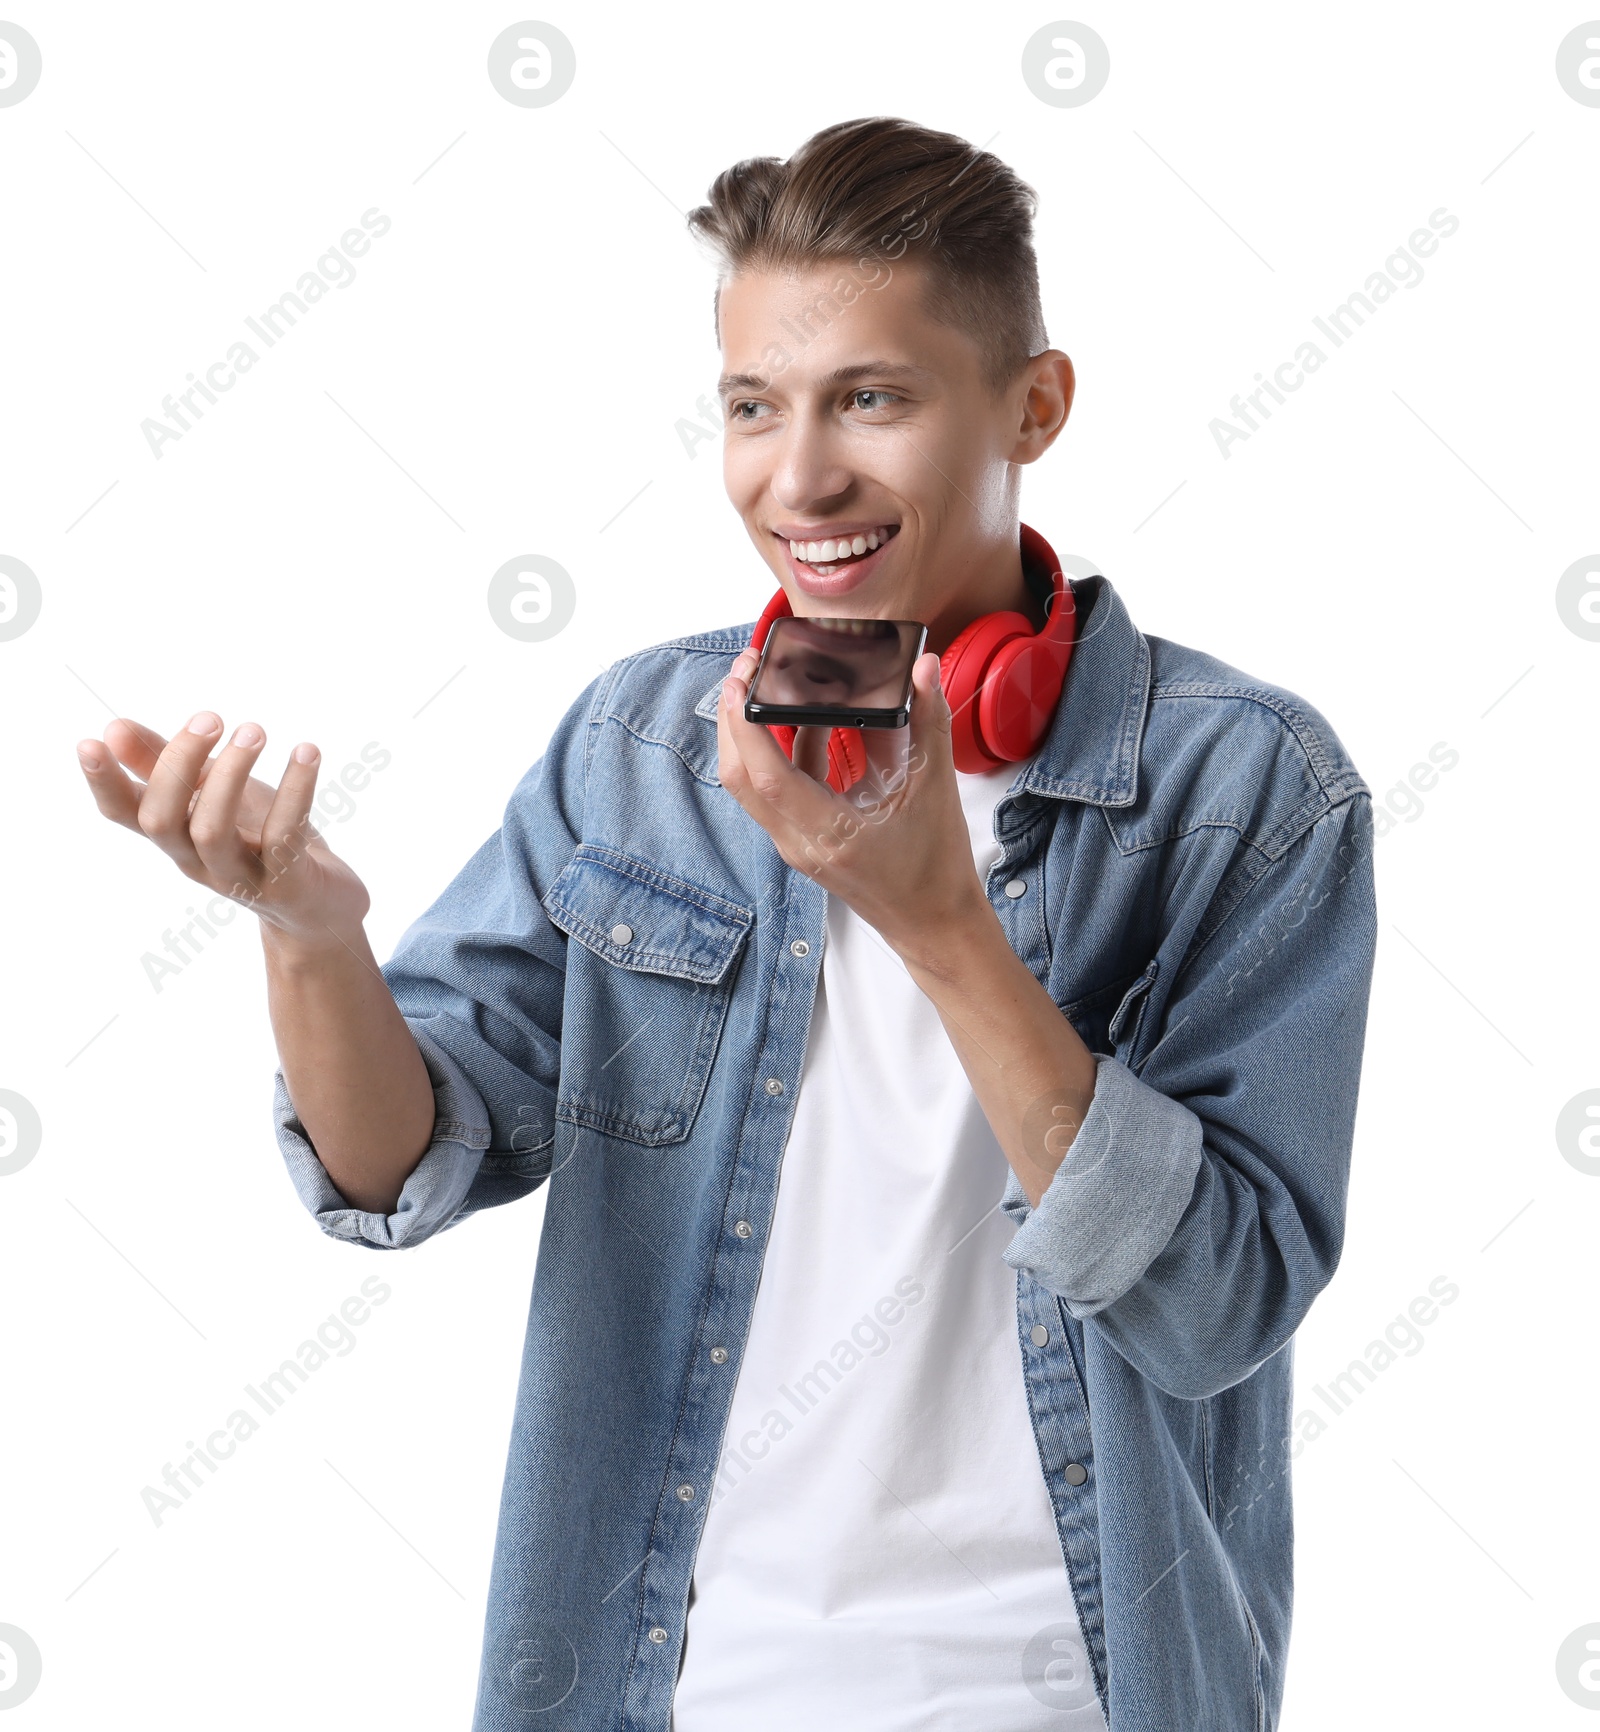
1091, 752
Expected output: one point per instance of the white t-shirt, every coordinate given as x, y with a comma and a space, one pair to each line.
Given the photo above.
880, 1548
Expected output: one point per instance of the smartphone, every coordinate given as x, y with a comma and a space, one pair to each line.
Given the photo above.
837, 673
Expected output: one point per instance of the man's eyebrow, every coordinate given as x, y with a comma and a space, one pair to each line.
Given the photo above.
839, 376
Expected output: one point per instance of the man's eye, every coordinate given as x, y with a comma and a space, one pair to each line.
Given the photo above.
884, 398
736, 410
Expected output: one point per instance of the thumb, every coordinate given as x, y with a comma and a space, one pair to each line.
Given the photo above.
930, 717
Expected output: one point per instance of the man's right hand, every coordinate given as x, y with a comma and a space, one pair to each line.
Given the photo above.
238, 836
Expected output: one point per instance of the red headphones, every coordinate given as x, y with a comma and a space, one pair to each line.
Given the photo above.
1001, 678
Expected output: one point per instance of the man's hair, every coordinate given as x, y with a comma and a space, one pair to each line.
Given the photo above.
883, 189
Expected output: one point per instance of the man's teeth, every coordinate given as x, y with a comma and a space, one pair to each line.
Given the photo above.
853, 627
845, 547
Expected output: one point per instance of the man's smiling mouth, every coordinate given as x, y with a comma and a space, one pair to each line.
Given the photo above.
827, 554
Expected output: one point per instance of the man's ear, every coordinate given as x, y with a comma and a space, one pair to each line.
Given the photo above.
1048, 383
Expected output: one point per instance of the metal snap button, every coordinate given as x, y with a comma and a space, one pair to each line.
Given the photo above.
799, 948
658, 1635
774, 1087
685, 1494
743, 1229
719, 1356
1015, 888
1039, 1336
1076, 1473
622, 933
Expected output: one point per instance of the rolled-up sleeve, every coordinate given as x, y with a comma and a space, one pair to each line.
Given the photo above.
1105, 1223
432, 1196
479, 979
1200, 1207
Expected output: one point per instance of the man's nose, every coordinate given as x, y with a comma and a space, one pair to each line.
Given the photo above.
811, 468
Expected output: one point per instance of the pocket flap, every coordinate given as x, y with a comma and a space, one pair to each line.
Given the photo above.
637, 916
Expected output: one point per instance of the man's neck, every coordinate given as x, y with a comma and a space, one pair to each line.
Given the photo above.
1008, 588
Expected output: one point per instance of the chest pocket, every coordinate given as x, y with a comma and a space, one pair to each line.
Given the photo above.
647, 993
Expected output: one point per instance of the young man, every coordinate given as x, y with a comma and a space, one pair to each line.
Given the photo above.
939, 1164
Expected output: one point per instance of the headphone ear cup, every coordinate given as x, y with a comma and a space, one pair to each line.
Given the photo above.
847, 758
1019, 696
777, 608
962, 671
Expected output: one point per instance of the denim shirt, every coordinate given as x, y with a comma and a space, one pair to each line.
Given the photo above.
612, 999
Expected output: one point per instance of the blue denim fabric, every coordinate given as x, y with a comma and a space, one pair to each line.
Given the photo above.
1196, 852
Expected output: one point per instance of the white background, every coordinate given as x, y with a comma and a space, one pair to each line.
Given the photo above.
522, 344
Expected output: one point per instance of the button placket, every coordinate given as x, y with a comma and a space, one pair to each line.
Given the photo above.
1056, 1394
1015, 887
1060, 1412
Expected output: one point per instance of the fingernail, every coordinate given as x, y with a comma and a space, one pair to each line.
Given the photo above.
730, 692
89, 758
246, 734
203, 722
305, 753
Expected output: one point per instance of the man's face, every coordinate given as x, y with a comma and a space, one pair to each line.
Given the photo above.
867, 426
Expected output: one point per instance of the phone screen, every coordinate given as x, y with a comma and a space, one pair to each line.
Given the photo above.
845, 672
